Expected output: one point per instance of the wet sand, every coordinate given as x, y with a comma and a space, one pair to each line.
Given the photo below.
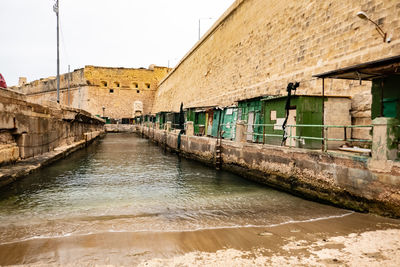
353, 240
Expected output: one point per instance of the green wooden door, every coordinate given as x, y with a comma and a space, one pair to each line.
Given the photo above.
229, 121
390, 107
217, 115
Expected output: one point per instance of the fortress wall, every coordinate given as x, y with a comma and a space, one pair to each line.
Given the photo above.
258, 46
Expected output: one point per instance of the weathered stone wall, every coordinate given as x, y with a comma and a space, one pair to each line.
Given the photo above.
258, 46
128, 85
336, 112
92, 88
76, 97
76, 79
29, 129
120, 128
343, 180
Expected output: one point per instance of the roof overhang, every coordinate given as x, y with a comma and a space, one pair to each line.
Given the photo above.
366, 71
201, 108
256, 98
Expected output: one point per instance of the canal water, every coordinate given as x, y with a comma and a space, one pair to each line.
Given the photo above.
123, 183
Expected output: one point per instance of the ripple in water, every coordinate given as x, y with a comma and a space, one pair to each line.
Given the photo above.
125, 183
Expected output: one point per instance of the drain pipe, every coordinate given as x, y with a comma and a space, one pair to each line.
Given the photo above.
290, 87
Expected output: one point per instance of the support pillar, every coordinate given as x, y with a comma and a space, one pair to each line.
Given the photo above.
189, 128
385, 139
240, 132
169, 126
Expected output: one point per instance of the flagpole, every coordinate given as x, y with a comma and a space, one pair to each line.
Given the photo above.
56, 10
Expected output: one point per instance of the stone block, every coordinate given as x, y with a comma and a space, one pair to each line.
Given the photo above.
168, 126
189, 128
6, 121
240, 132
384, 138
25, 146
8, 153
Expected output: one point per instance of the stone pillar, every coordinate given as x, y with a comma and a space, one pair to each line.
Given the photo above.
189, 128
240, 132
169, 126
384, 138
157, 126
25, 146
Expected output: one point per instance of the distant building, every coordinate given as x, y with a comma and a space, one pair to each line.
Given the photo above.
117, 93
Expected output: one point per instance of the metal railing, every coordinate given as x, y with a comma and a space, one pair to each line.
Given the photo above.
291, 136
324, 132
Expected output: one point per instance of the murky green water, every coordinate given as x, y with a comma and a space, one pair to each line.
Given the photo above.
125, 183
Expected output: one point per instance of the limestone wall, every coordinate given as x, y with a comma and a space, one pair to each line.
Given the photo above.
258, 46
76, 97
76, 79
127, 85
29, 129
92, 88
120, 128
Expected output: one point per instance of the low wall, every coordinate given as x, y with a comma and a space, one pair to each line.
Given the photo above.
120, 128
28, 130
341, 180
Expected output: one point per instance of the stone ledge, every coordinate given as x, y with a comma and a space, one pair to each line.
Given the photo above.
11, 173
8, 153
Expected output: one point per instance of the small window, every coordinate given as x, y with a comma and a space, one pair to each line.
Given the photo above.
148, 85
117, 84
135, 85
111, 91
104, 84
138, 91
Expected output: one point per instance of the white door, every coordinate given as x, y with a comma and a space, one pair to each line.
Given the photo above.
291, 121
250, 126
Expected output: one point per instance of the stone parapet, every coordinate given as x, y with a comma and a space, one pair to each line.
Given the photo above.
121, 128
29, 130
105, 91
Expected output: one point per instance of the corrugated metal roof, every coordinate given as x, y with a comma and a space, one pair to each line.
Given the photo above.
366, 71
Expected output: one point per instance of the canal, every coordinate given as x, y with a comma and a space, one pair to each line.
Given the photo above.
124, 186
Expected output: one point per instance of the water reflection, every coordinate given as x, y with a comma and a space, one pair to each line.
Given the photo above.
125, 183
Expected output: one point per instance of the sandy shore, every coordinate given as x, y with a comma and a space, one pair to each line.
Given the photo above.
354, 240
372, 248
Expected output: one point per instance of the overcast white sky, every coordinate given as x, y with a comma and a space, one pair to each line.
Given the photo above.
114, 33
